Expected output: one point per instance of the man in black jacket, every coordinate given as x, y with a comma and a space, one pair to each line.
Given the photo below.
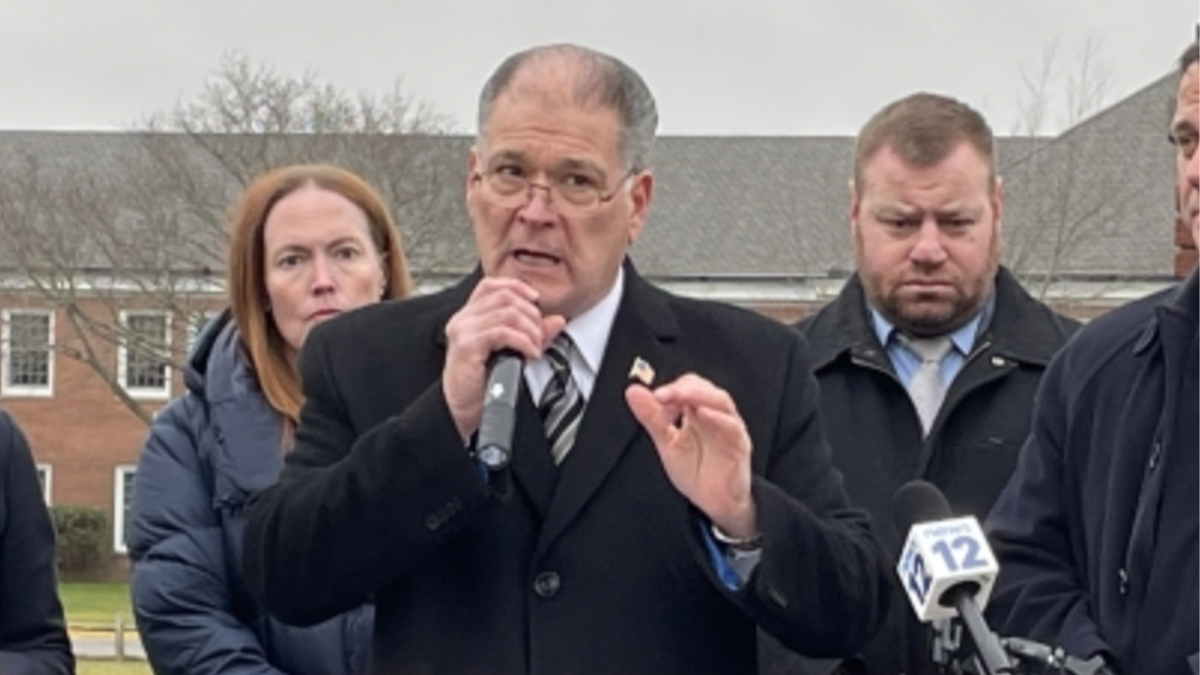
33, 635
1097, 532
640, 528
925, 223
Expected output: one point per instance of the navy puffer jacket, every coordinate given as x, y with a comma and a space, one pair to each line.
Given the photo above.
206, 454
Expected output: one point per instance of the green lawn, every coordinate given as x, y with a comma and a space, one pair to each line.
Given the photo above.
112, 668
96, 603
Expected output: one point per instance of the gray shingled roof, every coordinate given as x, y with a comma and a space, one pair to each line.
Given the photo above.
736, 205
1105, 187
722, 205
171, 193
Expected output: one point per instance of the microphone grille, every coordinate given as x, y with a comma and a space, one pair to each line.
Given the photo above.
919, 501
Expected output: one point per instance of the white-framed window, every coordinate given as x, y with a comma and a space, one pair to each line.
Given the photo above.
45, 474
143, 369
28, 364
123, 477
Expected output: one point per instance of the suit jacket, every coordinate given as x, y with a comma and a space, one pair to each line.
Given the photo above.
596, 566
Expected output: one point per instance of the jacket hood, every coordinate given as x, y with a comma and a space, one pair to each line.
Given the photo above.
219, 373
218, 369
196, 370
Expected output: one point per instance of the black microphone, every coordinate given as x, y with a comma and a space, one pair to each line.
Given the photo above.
946, 563
494, 442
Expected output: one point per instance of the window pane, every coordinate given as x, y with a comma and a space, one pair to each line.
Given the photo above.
29, 350
144, 367
127, 477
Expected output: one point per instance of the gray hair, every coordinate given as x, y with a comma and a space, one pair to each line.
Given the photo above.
600, 80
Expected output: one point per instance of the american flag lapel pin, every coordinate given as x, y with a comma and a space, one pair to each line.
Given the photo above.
641, 371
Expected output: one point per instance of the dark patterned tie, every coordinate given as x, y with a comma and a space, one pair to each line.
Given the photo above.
562, 404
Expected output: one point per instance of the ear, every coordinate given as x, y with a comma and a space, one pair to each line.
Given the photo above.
640, 194
384, 279
855, 205
474, 169
474, 180
998, 202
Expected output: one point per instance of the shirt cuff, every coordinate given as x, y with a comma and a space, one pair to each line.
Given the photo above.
733, 567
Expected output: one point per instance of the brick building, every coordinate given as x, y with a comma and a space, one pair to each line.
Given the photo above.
83, 406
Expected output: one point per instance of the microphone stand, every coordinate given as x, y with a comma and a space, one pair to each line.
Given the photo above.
988, 652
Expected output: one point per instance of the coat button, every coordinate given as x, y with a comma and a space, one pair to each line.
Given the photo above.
1123, 581
999, 361
546, 584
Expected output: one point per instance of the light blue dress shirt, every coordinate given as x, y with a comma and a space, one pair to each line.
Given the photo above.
905, 362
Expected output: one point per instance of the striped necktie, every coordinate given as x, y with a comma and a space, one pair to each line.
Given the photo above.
562, 403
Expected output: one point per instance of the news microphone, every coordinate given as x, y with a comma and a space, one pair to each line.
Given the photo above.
946, 567
494, 442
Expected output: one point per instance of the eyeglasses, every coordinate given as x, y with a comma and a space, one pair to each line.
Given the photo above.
570, 192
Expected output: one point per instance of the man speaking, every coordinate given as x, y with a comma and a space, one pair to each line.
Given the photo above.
650, 526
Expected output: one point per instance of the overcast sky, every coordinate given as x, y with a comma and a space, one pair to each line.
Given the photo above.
746, 67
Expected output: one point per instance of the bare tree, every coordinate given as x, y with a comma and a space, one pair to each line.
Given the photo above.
1057, 198
249, 119
77, 247
99, 224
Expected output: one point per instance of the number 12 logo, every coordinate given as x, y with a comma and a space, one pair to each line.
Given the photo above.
918, 580
969, 553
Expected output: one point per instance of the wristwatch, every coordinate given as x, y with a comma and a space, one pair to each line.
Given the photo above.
493, 457
753, 543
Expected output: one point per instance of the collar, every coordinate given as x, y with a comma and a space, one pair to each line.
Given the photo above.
1185, 302
589, 331
1021, 328
1178, 310
963, 338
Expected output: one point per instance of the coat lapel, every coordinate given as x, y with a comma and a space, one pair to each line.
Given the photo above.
643, 327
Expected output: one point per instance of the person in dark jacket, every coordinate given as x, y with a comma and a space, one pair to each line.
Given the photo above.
33, 634
1097, 532
308, 243
925, 224
642, 527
